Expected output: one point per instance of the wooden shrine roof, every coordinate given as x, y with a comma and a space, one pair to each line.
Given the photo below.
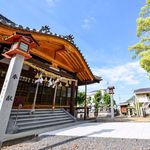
60, 51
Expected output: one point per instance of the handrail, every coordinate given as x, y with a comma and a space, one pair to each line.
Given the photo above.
19, 107
69, 114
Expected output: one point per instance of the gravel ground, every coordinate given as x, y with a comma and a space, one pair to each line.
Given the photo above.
80, 143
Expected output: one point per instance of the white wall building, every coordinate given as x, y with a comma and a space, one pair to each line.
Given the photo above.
142, 96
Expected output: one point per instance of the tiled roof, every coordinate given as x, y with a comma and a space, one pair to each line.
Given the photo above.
44, 30
142, 90
130, 100
5, 20
124, 104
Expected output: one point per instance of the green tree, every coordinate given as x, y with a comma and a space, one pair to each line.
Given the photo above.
142, 48
89, 99
97, 99
80, 98
106, 99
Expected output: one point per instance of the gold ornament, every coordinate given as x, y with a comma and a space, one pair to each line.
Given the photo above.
46, 80
37, 76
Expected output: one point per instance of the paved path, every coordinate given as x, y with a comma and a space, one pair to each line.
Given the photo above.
91, 136
111, 130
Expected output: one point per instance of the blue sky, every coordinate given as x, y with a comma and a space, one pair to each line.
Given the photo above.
103, 30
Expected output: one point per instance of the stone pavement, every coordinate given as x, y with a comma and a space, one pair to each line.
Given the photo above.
92, 136
124, 119
134, 130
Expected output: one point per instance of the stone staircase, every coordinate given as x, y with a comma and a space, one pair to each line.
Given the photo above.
23, 120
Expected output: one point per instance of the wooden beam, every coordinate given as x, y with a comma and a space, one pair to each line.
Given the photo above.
80, 76
58, 50
72, 60
50, 59
47, 67
68, 61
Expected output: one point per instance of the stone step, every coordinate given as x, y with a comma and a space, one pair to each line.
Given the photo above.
35, 122
21, 129
41, 109
37, 115
39, 118
36, 112
37, 109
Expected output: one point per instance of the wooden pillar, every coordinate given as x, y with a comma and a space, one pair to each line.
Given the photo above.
72, 99
60, 97
54, 98
85, 103
40, 99
28, 91
76, 88
35, 96
76, 95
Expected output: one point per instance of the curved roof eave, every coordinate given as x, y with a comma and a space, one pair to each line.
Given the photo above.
62, 39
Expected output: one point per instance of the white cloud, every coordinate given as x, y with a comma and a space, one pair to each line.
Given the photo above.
91, 87
51, 3
129, 73
125, 78
87, 22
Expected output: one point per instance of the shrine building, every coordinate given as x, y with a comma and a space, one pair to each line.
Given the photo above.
51, 72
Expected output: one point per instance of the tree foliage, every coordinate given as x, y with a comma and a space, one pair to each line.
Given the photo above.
106, 99
80, 98
89, 99
97, 99
98, 96
142, 48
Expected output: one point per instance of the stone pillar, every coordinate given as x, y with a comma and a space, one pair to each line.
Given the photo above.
112, 106
8, 92
129, 114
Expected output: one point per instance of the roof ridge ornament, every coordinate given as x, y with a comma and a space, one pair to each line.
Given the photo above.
5, 20
69, 37
45, 29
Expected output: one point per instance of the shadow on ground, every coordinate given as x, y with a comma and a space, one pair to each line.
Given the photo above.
69, 140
